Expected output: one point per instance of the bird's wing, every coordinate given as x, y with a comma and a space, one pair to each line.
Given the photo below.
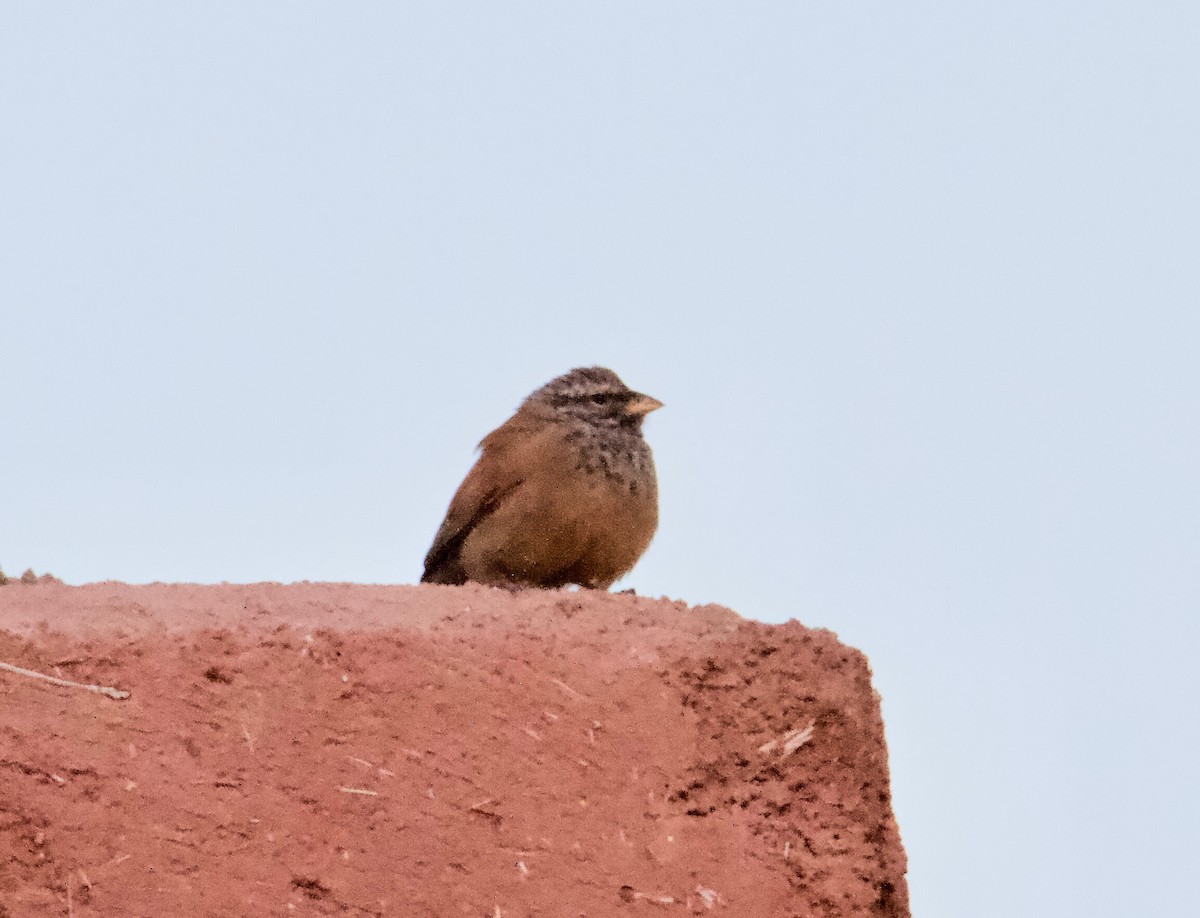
493, 477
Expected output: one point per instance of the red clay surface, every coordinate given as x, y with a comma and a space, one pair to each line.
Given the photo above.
334, 749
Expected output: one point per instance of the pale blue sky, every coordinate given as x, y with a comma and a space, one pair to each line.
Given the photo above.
919, 285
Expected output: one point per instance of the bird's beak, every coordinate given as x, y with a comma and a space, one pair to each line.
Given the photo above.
641, 405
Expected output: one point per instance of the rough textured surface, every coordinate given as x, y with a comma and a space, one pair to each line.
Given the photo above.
334, 749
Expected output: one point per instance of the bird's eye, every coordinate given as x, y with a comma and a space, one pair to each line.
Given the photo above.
598, 399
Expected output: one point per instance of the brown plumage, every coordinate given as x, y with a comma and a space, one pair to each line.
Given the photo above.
563, 492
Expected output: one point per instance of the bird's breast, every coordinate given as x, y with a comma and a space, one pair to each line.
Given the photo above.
613, 460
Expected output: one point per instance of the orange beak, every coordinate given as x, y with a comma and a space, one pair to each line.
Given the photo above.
642, 405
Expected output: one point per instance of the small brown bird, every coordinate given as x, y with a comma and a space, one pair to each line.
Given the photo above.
563, 492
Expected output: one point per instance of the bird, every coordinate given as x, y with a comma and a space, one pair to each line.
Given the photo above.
563, 492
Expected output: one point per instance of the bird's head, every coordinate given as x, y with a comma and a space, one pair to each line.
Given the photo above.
596, 396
